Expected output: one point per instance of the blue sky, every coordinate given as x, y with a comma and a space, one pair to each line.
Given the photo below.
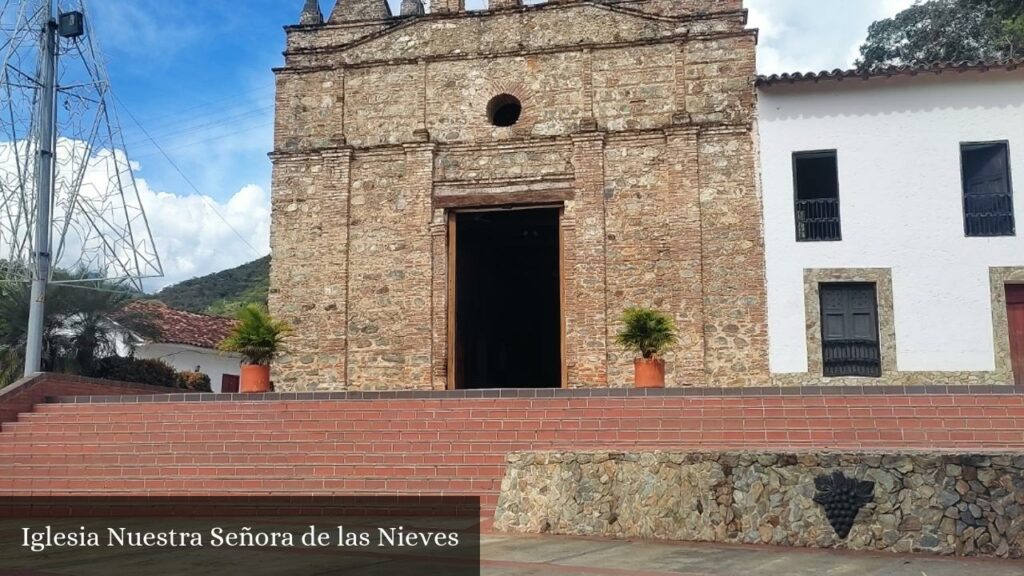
197, 75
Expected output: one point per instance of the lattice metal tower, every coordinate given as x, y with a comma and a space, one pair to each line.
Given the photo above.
68, 196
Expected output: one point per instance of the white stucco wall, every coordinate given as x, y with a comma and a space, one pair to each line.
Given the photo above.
183, 358
898, 143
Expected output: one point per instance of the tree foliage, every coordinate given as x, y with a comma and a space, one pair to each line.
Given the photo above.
946, 31
76, 329
223, 293
142, 371
195, 382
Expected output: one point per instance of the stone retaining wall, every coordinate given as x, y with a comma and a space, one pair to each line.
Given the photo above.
944, 503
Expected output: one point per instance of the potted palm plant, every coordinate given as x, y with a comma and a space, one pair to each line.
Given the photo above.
257, 337
648, 333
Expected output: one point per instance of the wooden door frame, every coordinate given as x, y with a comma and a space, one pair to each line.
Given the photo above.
561, 295
452, 219
452, 348
1008, 288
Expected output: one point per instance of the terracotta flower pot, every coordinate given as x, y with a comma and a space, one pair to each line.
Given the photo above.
255, 379
649, 372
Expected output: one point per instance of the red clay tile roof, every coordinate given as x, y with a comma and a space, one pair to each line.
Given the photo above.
176, 326
935, 68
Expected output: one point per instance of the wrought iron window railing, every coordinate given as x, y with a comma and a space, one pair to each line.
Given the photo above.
818, 219
852, 358
989, 214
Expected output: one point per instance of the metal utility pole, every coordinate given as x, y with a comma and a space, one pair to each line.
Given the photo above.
47, 142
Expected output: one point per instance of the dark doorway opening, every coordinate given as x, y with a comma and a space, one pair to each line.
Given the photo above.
816, 175
507, 318
988, 194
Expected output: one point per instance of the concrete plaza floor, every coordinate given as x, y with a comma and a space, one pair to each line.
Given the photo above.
512, 555
505, 555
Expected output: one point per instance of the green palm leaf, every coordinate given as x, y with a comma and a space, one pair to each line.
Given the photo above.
647, 332
258, 337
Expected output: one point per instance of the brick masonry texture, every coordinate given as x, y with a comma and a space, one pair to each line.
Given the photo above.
637, 120
391, 442
963, 504
27, 392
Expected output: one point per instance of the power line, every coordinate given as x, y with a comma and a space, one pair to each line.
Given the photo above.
185, 177
185, 120
192, 123
211, 103
192, 143
196, 128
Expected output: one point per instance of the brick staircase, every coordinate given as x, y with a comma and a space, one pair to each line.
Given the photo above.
453, 443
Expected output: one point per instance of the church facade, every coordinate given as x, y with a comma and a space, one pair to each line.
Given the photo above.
472, 199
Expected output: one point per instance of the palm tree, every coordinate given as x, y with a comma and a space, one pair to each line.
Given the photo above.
77, 328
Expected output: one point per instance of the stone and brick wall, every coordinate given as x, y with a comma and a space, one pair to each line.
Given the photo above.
457, 443
964, 504
637, 120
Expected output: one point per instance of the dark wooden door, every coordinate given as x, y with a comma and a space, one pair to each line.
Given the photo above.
228, 384
1015, 317
849, 330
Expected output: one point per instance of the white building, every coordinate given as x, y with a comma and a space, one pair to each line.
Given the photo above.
889, 201
184, 340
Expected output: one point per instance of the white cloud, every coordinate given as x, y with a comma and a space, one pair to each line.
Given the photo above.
193, 240
193, 234
814, 35
761, 18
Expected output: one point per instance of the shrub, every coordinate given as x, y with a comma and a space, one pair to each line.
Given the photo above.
257, 336
194, 382
152, 372
647, 332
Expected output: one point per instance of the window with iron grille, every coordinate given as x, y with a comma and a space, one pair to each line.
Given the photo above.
816, 182
849, 330
988, 195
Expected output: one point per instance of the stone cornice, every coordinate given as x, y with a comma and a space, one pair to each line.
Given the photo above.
520, 144
419, 146
683, 37
716, 129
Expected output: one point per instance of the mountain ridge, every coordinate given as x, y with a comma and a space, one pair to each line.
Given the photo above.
221, 293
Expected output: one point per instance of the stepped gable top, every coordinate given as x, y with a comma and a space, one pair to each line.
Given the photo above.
175, 326
363, 31
311, 14
356, 13
934, 68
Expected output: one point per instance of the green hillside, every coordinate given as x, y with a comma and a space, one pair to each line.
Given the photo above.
221, 293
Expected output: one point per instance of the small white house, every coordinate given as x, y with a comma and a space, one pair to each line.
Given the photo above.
184, 340
894, 252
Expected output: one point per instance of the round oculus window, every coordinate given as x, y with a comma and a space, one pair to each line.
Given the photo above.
504, 110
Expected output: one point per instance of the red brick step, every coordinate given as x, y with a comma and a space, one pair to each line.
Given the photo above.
451, 445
